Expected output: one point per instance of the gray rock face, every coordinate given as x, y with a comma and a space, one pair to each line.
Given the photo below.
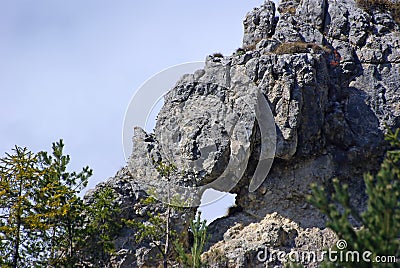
259, 24
330, 73
131, 199
207, 121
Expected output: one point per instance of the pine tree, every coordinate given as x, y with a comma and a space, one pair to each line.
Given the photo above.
19, 176
380, 231
157, 230
40, 209
101, 227
198, 228
60, 207
166, 170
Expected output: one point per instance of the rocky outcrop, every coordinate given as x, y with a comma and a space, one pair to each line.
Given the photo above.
329, 73
274, 241
133, 203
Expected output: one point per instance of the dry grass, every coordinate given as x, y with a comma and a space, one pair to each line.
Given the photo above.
383, 5
299, 47
290, 10
218, 55
250, 47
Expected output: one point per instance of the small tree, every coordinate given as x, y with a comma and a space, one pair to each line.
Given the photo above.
198, 228
19, 176
155, 230
39, 208
101, 227
166, 171
59, 207
380, 230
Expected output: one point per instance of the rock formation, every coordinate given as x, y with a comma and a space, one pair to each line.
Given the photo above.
330, 73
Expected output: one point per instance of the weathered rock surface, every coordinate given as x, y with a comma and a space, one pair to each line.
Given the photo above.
131, 200
271, 242
332, 88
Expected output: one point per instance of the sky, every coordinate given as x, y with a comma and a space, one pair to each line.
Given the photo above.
69, 69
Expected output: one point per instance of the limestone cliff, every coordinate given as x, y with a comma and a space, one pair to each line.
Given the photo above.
330, 73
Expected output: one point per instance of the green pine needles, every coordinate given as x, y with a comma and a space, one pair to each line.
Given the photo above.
40, 210
198, 228
43, 221
101, 228
380, 231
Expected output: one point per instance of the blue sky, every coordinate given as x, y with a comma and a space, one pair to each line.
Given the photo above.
68, 69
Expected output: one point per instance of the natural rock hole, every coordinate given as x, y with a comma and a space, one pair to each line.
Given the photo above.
215, 204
